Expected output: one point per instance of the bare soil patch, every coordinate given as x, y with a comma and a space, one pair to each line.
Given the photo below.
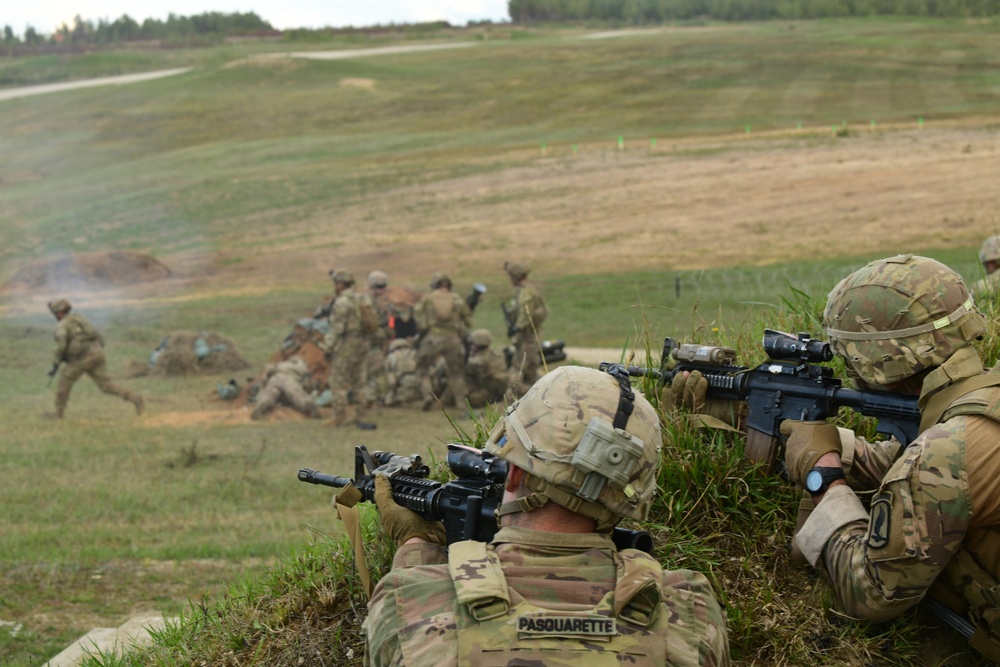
684, 205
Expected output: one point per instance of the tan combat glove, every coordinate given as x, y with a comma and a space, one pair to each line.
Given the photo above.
400, 523
690, 391
806, 443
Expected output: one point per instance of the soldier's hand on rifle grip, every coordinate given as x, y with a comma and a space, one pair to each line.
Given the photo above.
400, 523
806, 443
687, 391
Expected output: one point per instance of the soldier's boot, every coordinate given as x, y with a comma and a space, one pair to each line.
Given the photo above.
139, 402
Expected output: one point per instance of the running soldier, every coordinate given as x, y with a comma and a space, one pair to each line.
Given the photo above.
551, 588
79, 350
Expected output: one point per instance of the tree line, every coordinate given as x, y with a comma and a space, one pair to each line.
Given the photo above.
209, 25
655, 11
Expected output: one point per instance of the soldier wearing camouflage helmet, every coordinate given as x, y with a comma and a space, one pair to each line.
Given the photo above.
351, 320
551, 589
79, 351
443, 319
987, 288
378, 282
525, 314
485, 370
906, 325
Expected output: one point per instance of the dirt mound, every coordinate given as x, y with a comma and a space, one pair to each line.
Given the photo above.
189, 352
117, 268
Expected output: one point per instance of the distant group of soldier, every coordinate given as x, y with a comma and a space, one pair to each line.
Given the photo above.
430, 355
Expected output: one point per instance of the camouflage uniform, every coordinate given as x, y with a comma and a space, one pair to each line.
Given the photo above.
550, 589
80, 349
416, 618
529, 312
936, 497
289, 383
403, 381
348, 348
934, 521
379, 340
485, 372
443, 319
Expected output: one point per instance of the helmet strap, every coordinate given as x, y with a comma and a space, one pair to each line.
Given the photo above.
543, 492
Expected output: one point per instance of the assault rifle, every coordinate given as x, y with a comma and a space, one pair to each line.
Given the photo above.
466, 504
790, 385
509, 317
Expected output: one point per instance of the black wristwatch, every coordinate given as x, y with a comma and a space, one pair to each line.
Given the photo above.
819, 479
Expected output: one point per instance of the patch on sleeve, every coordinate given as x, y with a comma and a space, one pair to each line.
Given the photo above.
572, 626
881, 513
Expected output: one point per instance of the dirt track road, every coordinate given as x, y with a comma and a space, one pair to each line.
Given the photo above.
27, 91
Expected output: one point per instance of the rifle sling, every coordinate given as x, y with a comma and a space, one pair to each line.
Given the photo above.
349, 515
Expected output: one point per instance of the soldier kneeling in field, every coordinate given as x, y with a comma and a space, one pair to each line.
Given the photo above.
485, 370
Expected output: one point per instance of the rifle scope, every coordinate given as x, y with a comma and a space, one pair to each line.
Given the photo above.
780, 345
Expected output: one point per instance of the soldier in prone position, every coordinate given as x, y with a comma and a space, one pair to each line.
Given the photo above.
79, 350
551, 588
286, 383
906, 324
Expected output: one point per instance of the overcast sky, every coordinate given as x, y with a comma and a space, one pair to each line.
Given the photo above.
46, 15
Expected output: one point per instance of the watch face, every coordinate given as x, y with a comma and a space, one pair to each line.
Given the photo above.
814, 481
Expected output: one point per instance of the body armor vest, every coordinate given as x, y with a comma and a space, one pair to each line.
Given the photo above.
498, 627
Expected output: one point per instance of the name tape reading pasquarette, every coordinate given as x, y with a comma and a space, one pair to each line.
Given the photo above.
589, 625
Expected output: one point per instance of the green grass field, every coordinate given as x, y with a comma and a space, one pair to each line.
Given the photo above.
248, 168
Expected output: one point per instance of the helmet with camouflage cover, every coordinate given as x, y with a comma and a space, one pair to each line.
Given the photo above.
572, 434
440, 279
378, 279
59, 306
516, 270
481, 337
990, 250
898, 317
342, 276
